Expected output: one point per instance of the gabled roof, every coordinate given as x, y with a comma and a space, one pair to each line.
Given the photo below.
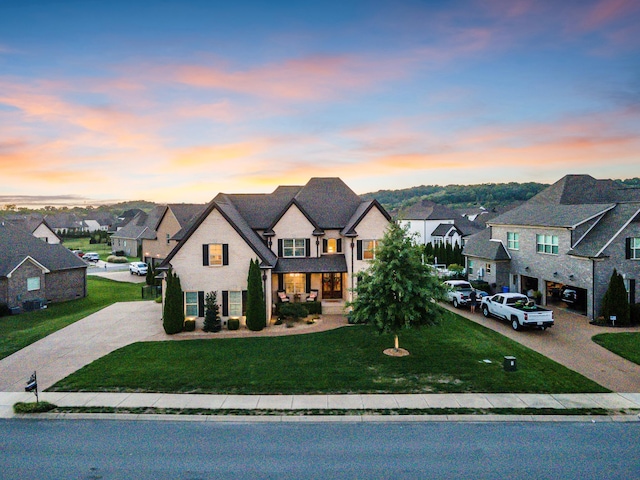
428, 210
480, 245
584, 189
444, 229
30, 224
185, 212
64, 221
17, 244
143, 225
327, 202
605, 230
546, 215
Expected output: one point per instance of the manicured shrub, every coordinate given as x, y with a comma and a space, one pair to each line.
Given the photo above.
256, 314
33, 407
616, 301
116, 259
173, 315
314, 308
293, 311
233, 324
4, 310
189, 325
212, 321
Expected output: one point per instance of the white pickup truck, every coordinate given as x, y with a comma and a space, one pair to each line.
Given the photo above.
517, 309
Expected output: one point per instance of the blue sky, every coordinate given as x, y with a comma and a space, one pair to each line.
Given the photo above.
177, 101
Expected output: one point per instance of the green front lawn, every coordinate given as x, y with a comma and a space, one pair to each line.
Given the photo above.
83, 244
626, 344
446, 358
18, 331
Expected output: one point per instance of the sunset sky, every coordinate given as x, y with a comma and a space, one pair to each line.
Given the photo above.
175, 101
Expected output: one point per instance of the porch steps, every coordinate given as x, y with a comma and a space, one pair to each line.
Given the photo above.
333, 307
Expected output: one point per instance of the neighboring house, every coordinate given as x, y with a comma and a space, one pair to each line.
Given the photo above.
432, 223
92, 225
123, 219
36, 226
65, 222
471, 213
174, 218
128, 239
307, 238
571, 235
33, 273
487, 260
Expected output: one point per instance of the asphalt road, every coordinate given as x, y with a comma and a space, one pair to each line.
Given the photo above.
100, 449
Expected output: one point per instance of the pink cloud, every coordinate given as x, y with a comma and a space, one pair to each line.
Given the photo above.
605, 12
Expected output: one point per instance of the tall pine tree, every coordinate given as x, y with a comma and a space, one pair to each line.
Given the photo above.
616, 300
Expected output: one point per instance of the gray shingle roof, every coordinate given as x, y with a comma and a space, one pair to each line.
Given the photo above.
480, 245
185, 212
143, 225
546, 215
584, 189
608, 226
16, 244
323, 264
442, 229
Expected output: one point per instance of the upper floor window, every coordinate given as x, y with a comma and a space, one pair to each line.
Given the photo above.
332, 245
513, 241
547, 244
487, 267
293, 247
369, 249
215, 254
633, 248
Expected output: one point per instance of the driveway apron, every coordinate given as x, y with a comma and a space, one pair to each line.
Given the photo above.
65, 351
569, 343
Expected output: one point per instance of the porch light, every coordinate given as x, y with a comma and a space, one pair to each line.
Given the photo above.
571, 277
526, 269
555, 274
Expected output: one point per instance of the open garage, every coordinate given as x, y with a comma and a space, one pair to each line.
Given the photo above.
567, 296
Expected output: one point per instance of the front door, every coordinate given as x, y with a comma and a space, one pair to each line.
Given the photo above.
331, 285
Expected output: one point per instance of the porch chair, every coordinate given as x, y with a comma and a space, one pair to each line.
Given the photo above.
313, 296
282, 295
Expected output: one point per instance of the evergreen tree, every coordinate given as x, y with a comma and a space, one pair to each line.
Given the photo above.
173, 315
211, 313
151, 274
256, 314
616, 300
397, 291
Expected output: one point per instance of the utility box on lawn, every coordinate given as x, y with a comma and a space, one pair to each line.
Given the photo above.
510, 364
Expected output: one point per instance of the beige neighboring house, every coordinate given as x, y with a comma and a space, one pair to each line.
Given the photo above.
175, 217
37, 227
142, 226
310, 239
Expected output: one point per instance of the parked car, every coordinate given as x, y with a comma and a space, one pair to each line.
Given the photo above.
458, 292
79, 253
569, 296
138, 268
91, 257
517, 309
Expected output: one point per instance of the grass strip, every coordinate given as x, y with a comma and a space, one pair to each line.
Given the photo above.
340, 412
625, 344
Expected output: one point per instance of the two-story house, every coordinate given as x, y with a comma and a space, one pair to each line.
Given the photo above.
173, 219
433, 223
311, 238
571, 235
129, 238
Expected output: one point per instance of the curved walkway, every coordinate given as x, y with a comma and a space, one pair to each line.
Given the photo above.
569, 343
60, 354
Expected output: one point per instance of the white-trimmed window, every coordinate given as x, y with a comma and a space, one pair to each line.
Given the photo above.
369, 249
293, 247
191, 304
332, 245
33, 283
487, 267
470, 267
215, 254
513, 241
235, 303
633, 248
547, 244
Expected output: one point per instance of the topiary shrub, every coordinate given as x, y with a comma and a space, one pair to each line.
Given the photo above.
212, 321
233, 324
256, 314
616, 301
189, 326
4, 310
173, 314
116, 259
33, 407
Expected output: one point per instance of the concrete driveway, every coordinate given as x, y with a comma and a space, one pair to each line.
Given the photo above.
65, 351
569, 343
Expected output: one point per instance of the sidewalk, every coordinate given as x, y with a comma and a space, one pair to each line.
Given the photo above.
609, 401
